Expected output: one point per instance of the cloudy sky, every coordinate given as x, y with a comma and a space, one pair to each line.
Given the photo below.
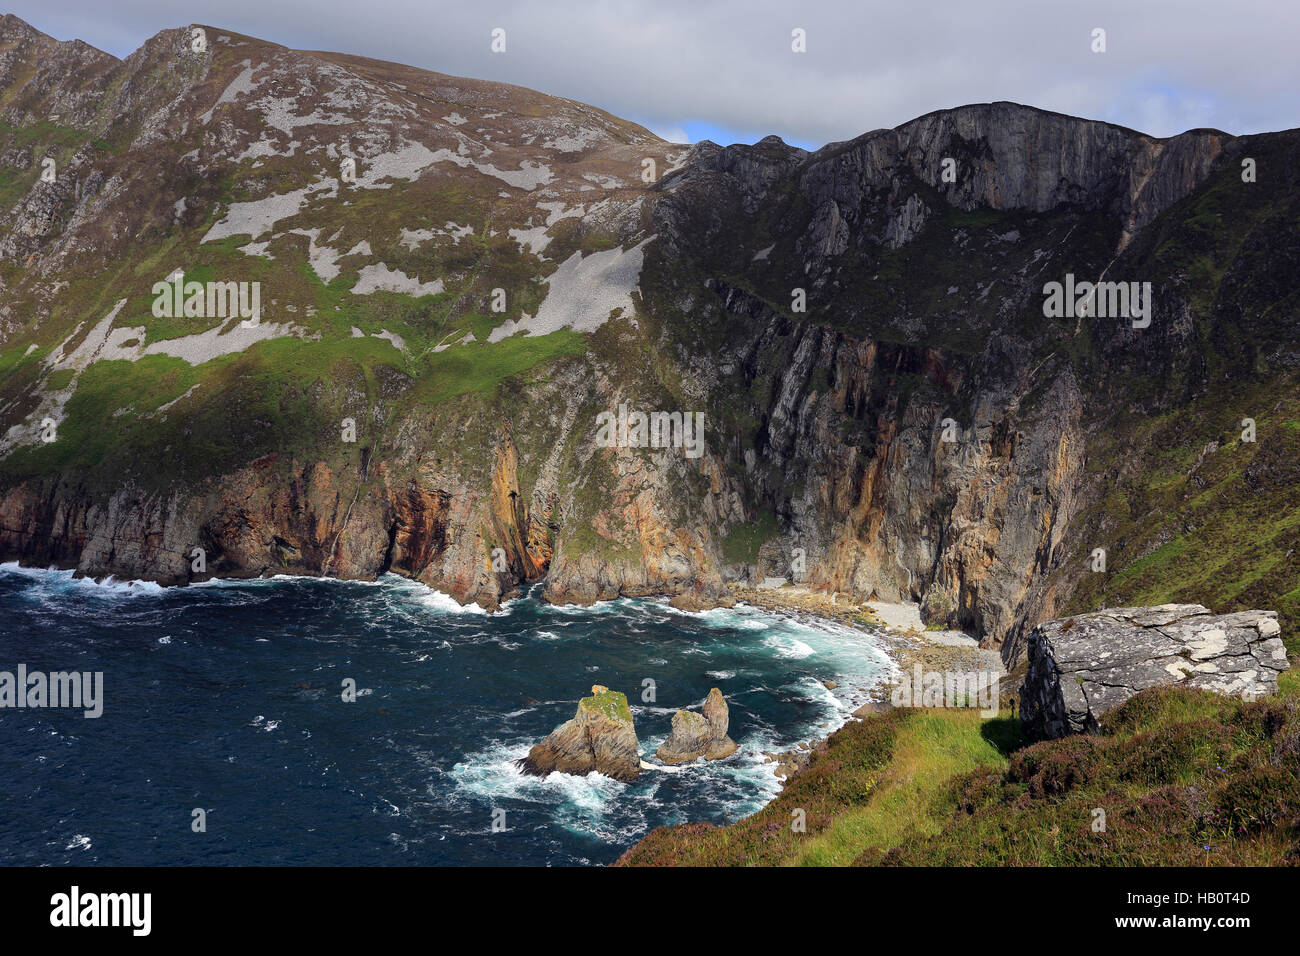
725, 70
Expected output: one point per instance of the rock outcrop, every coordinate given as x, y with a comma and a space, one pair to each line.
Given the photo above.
600, 739
1082, 667
699, 735
1085, 162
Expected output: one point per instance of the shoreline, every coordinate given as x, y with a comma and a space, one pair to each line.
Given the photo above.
907, 646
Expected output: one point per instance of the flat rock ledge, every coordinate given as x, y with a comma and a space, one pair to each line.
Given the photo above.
600, 738
699, 735
1082, 667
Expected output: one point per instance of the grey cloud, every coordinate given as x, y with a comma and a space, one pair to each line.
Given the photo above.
1169, 66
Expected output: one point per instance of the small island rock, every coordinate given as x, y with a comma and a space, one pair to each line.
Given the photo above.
699, 735
599, 738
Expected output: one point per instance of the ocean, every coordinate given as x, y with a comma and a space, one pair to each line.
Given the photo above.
227, 698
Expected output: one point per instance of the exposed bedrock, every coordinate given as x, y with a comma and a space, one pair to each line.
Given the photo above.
915, 429
599, 739
958, 495
912, 425
699, 735
281, 516
1083, 667
1088, 163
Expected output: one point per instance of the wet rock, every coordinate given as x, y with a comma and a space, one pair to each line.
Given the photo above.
688, 740
600, 738
787, 763
699, 735
790, 763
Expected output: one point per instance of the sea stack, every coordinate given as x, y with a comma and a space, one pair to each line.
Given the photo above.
599, 738
699, 735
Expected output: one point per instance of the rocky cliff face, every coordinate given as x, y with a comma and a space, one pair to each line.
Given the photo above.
470, 274
916, 426
1004, 157
491, 211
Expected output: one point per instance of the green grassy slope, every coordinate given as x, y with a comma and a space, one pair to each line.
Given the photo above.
1179, 778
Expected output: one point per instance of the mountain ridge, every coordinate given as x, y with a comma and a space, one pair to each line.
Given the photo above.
475, 468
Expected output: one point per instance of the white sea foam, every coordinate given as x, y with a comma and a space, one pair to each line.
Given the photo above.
593, 804
809, 651
665, 768
407, 592
600, 607
52, 582
788, 647
424, 597
736, 786
742, 617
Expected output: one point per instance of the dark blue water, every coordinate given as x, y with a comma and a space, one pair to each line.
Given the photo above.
228, 697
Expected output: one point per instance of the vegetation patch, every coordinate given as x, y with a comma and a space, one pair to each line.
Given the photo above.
742, 541
1179, 778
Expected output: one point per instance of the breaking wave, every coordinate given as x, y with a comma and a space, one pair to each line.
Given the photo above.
419, 761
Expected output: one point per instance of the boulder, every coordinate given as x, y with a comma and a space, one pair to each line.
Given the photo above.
699, 735
1082, 667
873, 708
599, 738
792, 762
